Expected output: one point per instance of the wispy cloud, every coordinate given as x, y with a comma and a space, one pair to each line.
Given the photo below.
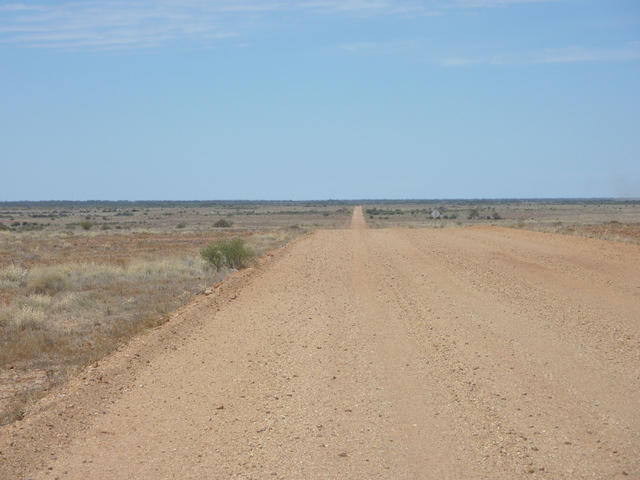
492, 3
378, 47
18, 7
144, 23
573, 54
389, 7
105, 25
580, 54
360, 46
120, 24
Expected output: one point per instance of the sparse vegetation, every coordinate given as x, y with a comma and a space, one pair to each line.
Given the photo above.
613, 230
70, 314
67, 299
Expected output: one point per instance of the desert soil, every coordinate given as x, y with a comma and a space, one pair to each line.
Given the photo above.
461, 353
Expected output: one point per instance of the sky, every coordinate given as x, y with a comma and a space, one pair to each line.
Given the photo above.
319, 99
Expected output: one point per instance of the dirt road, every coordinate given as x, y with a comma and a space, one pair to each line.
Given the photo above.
355, 354
357, 219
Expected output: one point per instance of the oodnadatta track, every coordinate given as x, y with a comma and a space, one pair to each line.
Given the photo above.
461, 353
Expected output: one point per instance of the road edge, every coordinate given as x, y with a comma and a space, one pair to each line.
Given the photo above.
52, 421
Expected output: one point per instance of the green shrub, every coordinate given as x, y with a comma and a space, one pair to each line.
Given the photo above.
236, 253
213, 255
86, 225
222, 223
181, 225
232, 253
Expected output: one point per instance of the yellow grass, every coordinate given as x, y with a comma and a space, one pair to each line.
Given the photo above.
70, 314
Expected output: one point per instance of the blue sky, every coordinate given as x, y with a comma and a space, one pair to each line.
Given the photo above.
317, 99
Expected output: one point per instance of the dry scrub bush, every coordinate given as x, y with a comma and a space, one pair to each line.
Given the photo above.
223, 223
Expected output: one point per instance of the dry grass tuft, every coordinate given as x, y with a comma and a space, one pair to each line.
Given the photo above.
46, 283
12, 276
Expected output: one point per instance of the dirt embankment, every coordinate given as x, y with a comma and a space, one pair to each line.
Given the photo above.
462, 353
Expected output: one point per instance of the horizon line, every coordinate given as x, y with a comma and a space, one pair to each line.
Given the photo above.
371, 199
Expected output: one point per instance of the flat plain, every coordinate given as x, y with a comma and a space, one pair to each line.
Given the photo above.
415, 348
